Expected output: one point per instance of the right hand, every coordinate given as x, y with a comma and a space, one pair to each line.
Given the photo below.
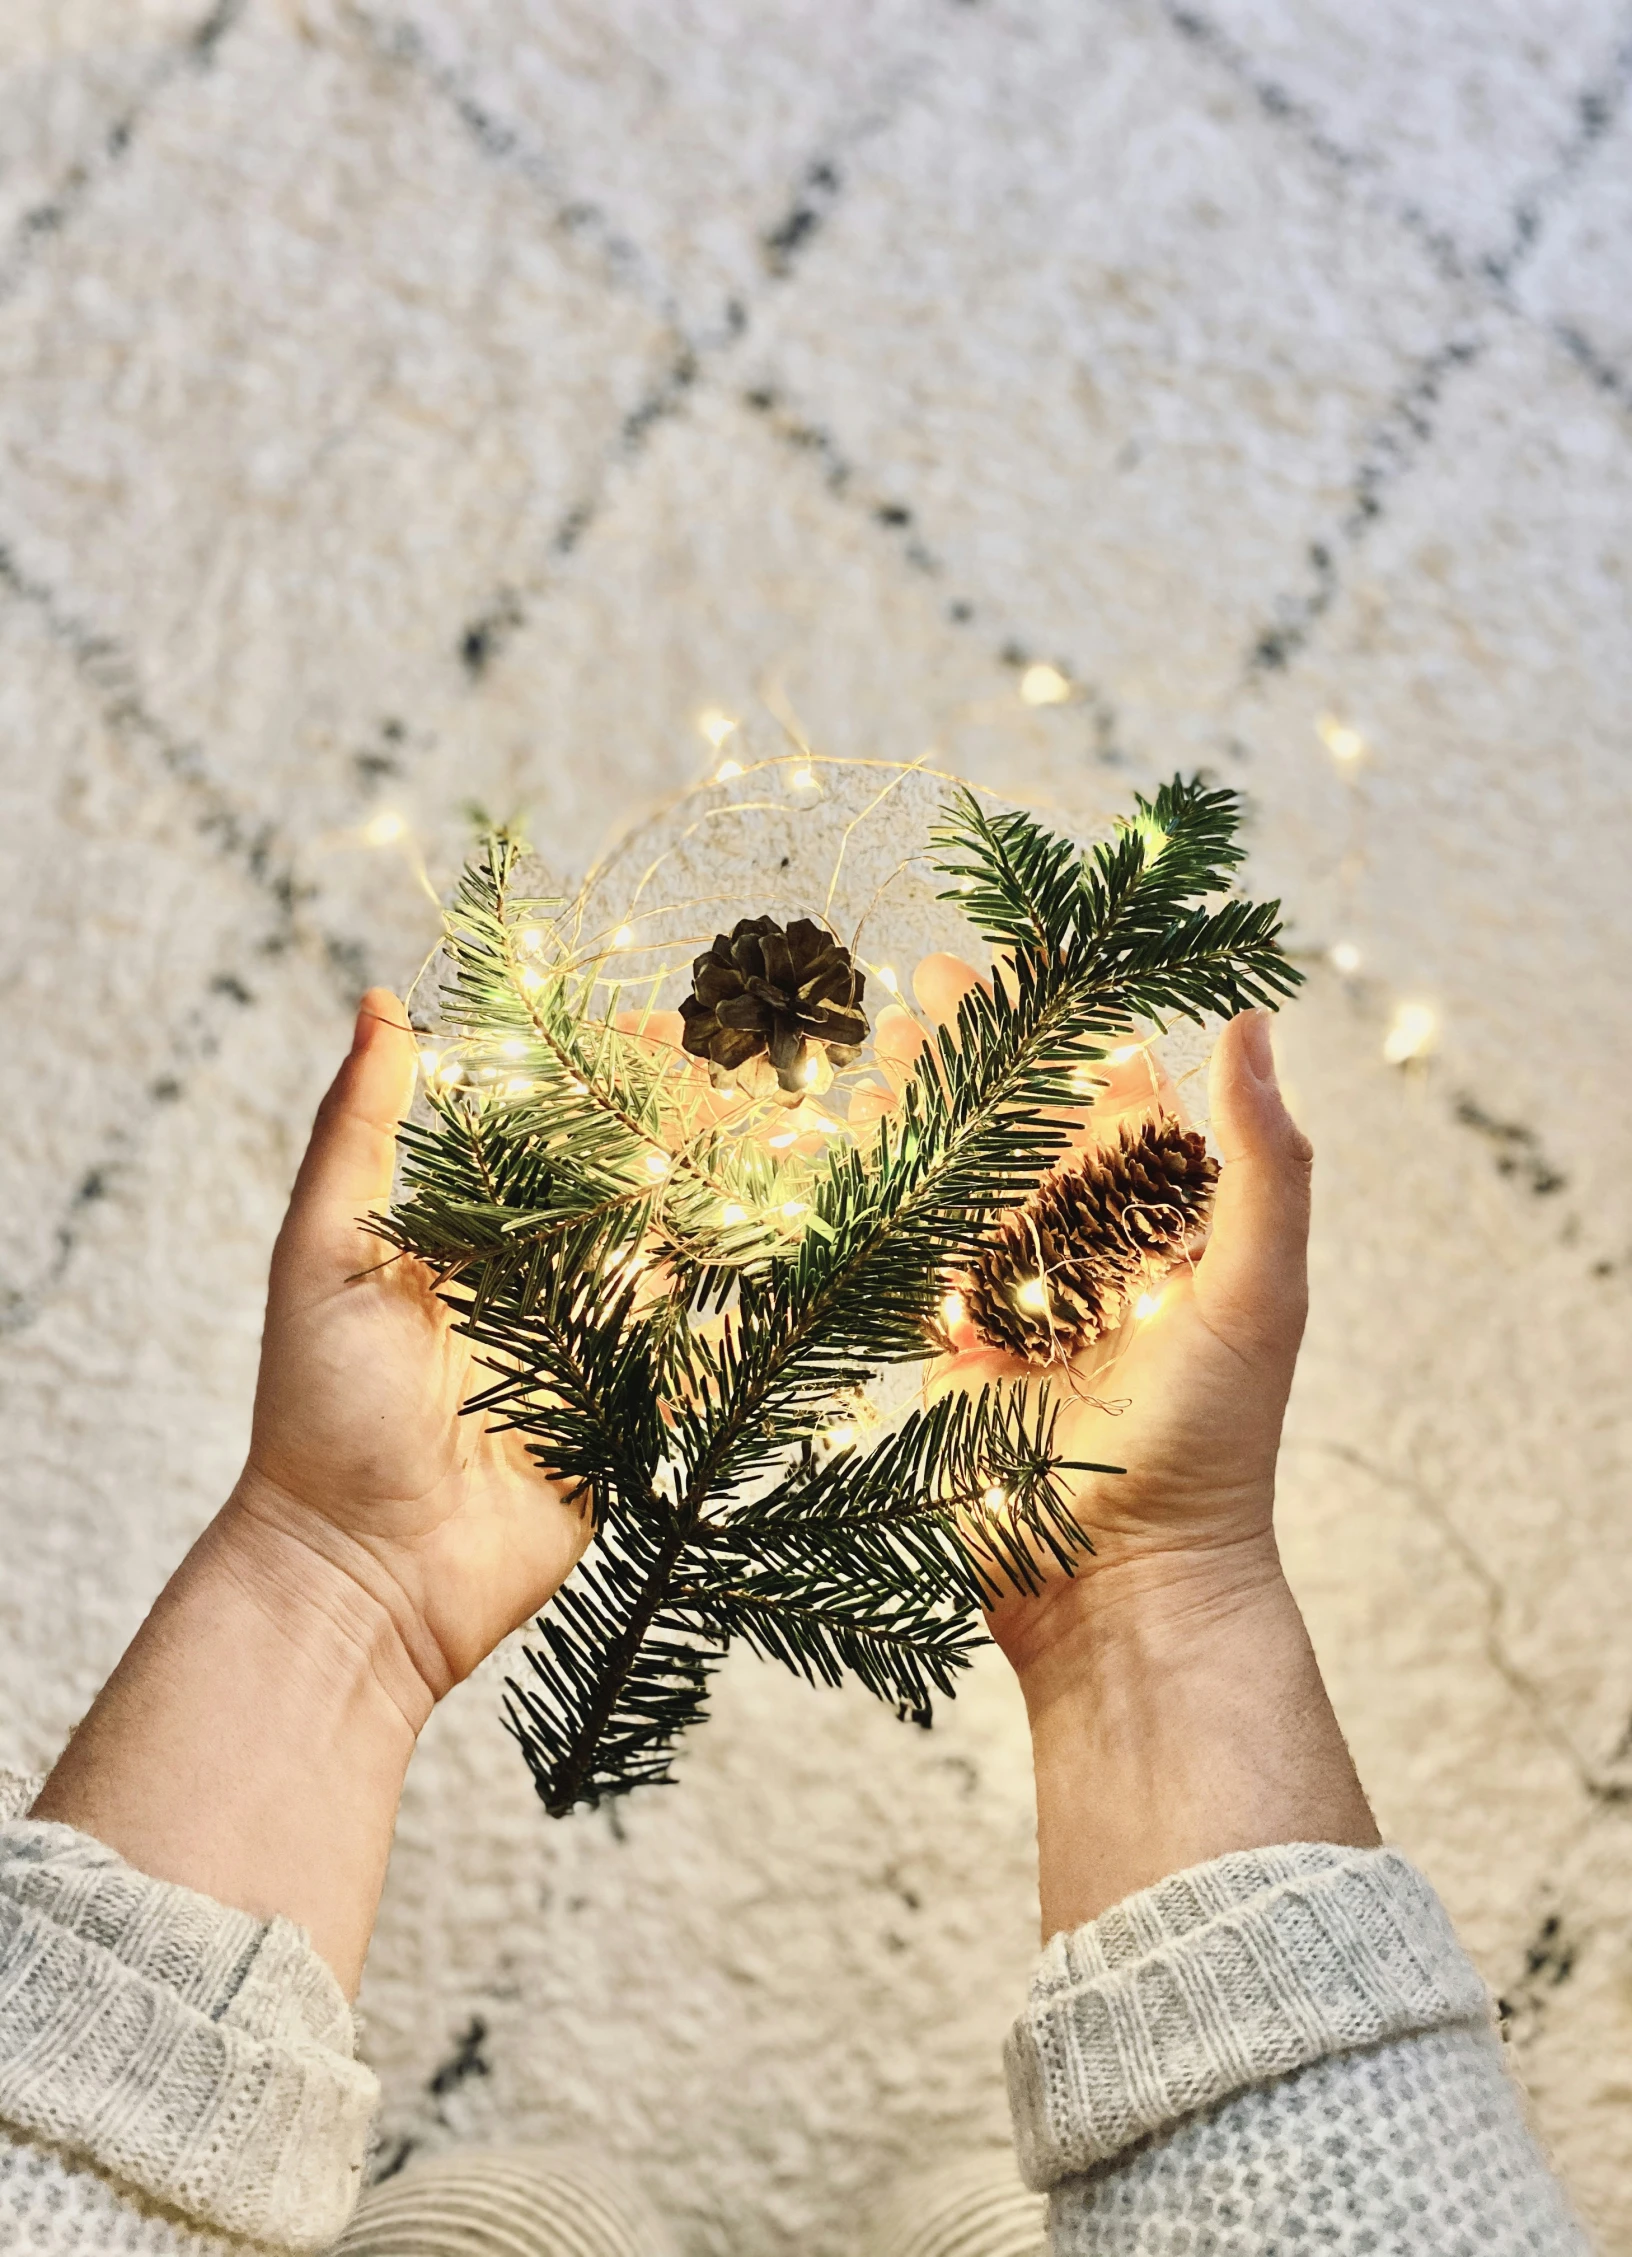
1199, 1389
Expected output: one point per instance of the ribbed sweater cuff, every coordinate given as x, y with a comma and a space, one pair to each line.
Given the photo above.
194, 2052
1235, 1972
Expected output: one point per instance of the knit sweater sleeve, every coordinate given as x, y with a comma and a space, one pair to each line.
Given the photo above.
1287, 2050
176, 2078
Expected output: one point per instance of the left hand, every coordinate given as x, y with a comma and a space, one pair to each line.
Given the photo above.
361, 1448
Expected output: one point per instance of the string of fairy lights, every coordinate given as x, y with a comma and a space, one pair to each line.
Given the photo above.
791, 1133
1413, 1028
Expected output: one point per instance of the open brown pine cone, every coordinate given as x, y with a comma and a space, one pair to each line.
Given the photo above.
1057, 1274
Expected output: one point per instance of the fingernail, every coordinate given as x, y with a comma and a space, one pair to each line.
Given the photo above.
1259, 1048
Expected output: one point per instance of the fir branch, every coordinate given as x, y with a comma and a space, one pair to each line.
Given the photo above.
717, 1518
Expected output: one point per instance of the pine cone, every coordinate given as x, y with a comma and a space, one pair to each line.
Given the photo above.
762, 991
1089, 1231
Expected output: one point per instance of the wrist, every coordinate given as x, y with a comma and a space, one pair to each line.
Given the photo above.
1177, 1713
1136, 1610
329, 1596
252, 1742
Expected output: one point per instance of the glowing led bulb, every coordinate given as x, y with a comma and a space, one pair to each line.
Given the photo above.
1147, 1305
716, 726
813, 1066
952, 1308
731, 1212
726, 770
782, 1139
793, 1206
1124, 1051
450, 1070
531, 936
657, 1164
532, 978
802, 779
385, 828
515, 1047
994, 1498
1044, 685
1345, 956
1411, 1035
1346, 745
429, 1061
1032, 1294
623, 937
840, 1437
887, 973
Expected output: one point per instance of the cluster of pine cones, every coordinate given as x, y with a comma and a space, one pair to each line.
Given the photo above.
1057, 1274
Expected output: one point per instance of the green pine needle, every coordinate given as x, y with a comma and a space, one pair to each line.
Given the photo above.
585, 1217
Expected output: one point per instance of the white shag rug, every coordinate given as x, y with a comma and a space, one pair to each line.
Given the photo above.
435, 404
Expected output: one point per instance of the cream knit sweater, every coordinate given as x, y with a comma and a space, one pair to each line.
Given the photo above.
1279, 2053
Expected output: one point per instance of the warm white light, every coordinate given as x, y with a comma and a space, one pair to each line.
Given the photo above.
1345, 956
716, 726
1411, 1035
532, 978
1085, 1081
1345, 745
726, 770
732, 1213
518, 1086
840, 1437
793, 1206
1033, 1294
515, 1047
430, 1060
994, 1498
886, 972
1044, 685
952, 1306
802, 779
813, 1066
1124, 1051
728, 1089
1147, 1304
656, 1164
385, 828
451, 1069
532, 936
783, 1138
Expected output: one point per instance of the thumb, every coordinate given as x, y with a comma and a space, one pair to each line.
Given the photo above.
351, 1155
1254, 1275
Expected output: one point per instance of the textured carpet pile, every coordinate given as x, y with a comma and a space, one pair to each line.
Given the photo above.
423, 407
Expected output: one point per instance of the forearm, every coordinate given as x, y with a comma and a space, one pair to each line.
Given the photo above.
252, 1742
1177, 1712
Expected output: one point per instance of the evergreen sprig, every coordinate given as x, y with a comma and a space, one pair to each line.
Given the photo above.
680, 1322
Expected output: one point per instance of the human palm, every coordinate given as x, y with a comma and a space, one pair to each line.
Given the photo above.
1189, 1398
361, 1445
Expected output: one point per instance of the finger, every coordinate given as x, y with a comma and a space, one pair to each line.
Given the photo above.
1253, 1278
941, 982
868, 1106
898, 1040
350, 1159
1133, 1084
